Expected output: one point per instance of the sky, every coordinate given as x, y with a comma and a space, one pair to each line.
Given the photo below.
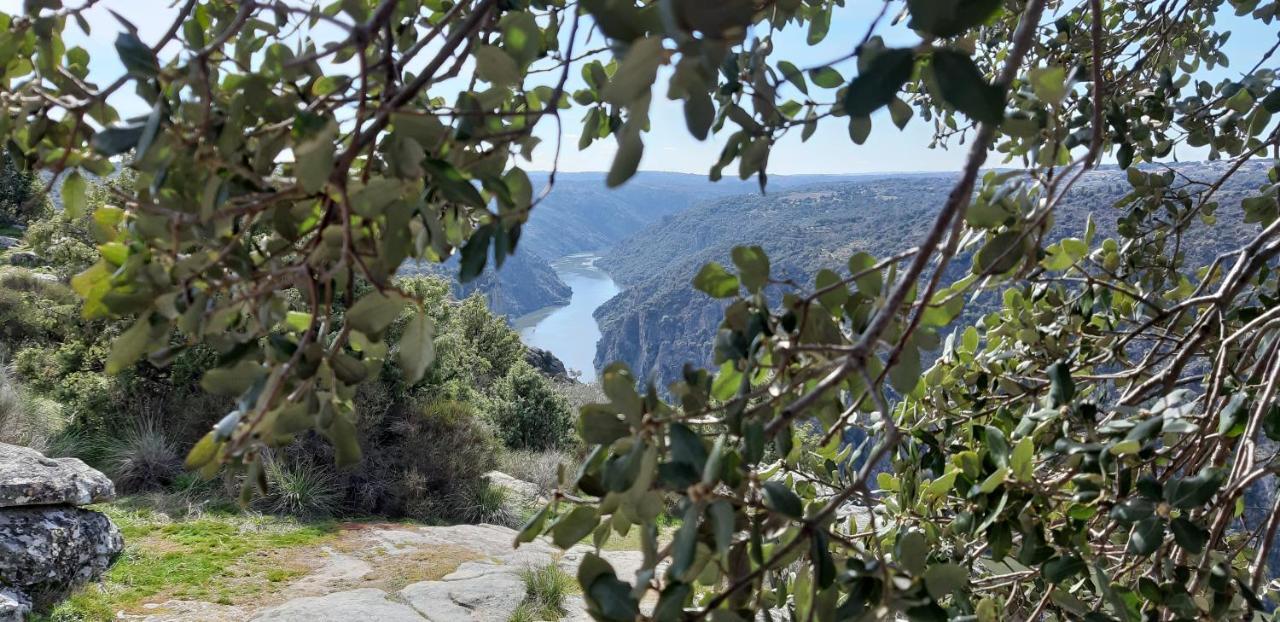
669, 147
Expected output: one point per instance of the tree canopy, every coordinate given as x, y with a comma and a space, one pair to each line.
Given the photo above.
1082, 451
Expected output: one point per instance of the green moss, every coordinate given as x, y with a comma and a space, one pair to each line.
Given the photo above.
219, 557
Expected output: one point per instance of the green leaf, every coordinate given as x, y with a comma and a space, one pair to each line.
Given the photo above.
699, 114
374, 312
941, 487
452, 183
913, 551
901, 112
636, 72
753, 266
1062, 389
1060, 569
947, 18
116, 140
1234, 416
74, 196
130, 346
613, 599
202, 453
574, 526
232, 380
417, 347
819, 25
792, 74
599, 424
715, 281
859, 129
942, 580
475, 254
313, 150
533, 527
627, 159
687, 447
1048, 83
138, 59
1146, 537
782, 500
684, 546
1000, 254
1188, 535
963, 86
879, 84
1187, 493
496, 67
346, 441
826, 77
1020, 461
905, 374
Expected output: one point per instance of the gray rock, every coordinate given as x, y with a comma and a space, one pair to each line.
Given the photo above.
25, 259
546, 362
45, 551
29, 478
8, 242
363, 604
14, 606
488, 597
518, 489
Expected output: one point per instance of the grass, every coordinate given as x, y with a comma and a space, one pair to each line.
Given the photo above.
545, 591
221, 557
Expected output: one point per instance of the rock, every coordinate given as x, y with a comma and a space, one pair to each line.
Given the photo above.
14, 606
25, 259
546, 362
29, 478
47, 550
363, 604
493, 596
8, 242
522, 491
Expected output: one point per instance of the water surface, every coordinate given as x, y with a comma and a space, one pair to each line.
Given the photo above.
570, 331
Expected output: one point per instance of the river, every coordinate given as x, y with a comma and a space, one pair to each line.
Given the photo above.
570, 331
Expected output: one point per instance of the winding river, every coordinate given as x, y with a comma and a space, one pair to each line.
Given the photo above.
570, 331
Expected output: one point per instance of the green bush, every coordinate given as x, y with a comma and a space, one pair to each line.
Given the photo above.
426, 462
296, 486
25, 419
545, 591
20, 202
529, 413
143, 458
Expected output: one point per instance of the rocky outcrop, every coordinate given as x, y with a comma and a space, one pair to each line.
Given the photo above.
47, 544
546, 362
27, 477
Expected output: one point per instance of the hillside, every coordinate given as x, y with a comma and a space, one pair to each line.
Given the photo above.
659, 321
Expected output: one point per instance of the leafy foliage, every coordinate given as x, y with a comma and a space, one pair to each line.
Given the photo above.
1078, 451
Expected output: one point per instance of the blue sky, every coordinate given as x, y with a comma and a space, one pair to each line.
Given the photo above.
669, 147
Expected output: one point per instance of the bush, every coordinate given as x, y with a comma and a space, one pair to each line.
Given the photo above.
25, 419
19, 201
545, 592
142, 459
297, 486
529, 413
425, 462
483, 504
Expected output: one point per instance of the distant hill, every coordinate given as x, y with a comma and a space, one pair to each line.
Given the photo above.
659, 321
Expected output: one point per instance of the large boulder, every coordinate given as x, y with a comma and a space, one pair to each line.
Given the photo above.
29, 478
48, 545
546, 362
45, 551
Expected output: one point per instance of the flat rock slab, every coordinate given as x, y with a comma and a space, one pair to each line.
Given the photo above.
29, 478
489, 597
363, 604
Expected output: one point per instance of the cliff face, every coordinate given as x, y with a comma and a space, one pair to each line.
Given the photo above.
660, 322
525, 283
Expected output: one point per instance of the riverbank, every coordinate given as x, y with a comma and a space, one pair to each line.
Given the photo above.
570, 331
